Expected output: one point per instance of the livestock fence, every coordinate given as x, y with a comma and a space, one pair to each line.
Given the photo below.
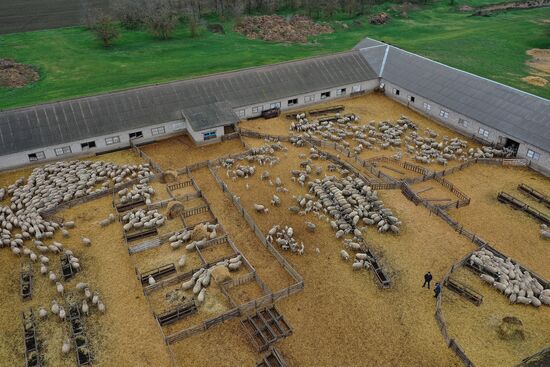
90, 197
156, 167
237, 311
451, 342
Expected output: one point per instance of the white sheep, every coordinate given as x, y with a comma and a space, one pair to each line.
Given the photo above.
66, 348
344, 255
151, 280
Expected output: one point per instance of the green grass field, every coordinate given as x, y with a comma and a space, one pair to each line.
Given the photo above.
72, 63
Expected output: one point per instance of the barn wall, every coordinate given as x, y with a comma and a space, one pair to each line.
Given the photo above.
470, 129
22, 158
245, 112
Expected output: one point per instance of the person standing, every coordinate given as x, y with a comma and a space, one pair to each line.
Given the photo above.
437, 290
427, 279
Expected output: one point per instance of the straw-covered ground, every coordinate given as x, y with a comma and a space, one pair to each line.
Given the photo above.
341, 317
477, 328
513, 232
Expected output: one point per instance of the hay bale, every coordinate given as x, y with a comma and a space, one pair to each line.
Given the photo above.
199, 232
174, 209
221, 274
511, 328
169, 176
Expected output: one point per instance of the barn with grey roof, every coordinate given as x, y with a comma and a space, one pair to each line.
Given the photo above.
207, 107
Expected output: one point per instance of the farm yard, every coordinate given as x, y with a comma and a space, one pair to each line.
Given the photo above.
298, 232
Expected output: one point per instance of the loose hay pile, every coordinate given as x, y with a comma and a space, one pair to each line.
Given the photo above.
278, 29
15, 75
511, 328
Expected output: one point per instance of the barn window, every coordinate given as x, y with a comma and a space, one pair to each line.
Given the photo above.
209, 135
533, 155
87, 145
411, 99
483, 132
178, 126
309, 98
444, 114
241, 113
275, 105
36, 156
463, 122
136, 135
325, 95
341, 91
158, 131
257, 109
427, 106
62, 150
356, 88
292, 102
112, 140
395, 91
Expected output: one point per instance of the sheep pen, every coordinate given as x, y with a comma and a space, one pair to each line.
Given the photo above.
316, 207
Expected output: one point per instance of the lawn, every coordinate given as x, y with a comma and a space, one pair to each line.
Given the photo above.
72, 63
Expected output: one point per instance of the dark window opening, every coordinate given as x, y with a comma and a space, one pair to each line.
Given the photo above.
511, 145
88, 145
36, 156
325, 95
136, 135
292, 102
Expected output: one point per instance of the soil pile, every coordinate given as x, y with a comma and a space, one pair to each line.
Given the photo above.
380, 18
278, 29
540, 63
14, 75
537, 81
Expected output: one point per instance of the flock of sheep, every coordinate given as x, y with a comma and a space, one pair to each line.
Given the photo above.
142, 218
385, 134
27, 231
519, 286
284, 237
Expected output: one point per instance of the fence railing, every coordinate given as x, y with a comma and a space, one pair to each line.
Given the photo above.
156, 167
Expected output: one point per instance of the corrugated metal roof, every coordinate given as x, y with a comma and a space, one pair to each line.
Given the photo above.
509, 110
210, 115
78, 119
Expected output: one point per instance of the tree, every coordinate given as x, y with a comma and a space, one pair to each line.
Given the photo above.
162, 18
104, 28
130, 13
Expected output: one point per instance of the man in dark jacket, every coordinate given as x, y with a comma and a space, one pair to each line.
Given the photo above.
427, 279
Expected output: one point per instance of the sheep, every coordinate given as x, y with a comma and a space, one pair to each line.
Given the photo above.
85, 241
344, 255
85, 307
259, 208
62, 313
42, 312
66, 348
101, 307
151, 280
201, 296
357, 265
181, 261
234, 266
81, 286
523, 300
55, 307
59, 287
489, 279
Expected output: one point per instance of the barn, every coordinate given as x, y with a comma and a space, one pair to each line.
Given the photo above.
208, 107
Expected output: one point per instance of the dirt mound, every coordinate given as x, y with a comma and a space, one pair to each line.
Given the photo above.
380, 18
511, 328
540, 59
278, 29
537, 81
14, 75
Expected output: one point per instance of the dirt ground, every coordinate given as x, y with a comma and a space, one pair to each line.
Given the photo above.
341, 317
180, 151
511, 231
476, 327
537, 81
376, 108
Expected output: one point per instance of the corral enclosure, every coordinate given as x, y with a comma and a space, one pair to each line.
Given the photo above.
337, 315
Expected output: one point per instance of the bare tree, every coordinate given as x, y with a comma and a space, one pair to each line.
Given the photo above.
162, 18
130, 13
103, 27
